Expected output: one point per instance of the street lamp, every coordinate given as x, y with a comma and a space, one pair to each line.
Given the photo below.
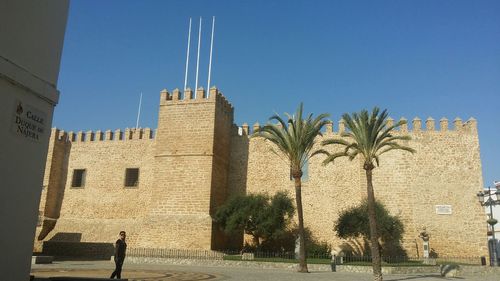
491, 221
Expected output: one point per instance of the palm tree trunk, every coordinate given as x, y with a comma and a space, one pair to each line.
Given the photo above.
302, 240
376, 260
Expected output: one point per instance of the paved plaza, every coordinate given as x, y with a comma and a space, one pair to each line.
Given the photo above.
168, 272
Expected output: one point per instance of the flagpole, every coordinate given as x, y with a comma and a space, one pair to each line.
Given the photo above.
139, 112
187, 56
198, 60
210, 61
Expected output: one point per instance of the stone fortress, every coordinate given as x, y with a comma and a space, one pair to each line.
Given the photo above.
163, 186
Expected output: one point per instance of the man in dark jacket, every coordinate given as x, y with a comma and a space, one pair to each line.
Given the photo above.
120, 249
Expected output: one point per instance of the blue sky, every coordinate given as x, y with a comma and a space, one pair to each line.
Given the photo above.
415, 58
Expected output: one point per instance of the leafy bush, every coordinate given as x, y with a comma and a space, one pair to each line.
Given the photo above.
263, 217
354, 223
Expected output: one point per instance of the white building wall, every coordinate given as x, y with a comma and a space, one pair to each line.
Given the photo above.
495, 210
31, 40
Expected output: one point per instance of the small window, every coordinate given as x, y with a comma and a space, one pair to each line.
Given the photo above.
78, 178
131, 177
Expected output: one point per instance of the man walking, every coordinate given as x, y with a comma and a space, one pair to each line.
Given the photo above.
120, 249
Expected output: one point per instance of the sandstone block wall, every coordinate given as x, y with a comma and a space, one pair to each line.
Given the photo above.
445, 170
182, 177
192, 155
97, 211
198, 157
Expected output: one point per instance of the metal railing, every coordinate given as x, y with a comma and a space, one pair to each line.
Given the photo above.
408, 261
175, 253
321, 258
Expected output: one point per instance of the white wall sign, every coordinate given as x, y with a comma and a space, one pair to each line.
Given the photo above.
443, 209
28, 122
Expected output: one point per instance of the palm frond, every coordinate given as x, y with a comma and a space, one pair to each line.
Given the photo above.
294, 136
395, 147
369, 136
335, 141
320, 152
332, 156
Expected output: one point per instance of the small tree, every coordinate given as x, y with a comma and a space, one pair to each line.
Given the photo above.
354, 223
259, 215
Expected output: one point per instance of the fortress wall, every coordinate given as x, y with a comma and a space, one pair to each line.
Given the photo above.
53, 185
223, 122
198, 158
174, 232
222, 142
104, 200
49, 167
330, 189
392, 183
46, 176
445, 170
56, 173
181, 188
238, 164
182, 172
267, 172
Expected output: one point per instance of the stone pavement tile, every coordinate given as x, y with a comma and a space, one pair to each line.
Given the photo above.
168, 272
131, 275
100, 273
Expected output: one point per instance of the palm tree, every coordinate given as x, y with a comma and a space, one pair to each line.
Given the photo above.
370, 136
295, 139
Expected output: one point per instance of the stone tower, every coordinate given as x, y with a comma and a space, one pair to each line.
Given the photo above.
191, 165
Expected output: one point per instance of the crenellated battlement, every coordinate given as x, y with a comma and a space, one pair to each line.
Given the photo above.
189, 97
59, 135
416, 126
108, 135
